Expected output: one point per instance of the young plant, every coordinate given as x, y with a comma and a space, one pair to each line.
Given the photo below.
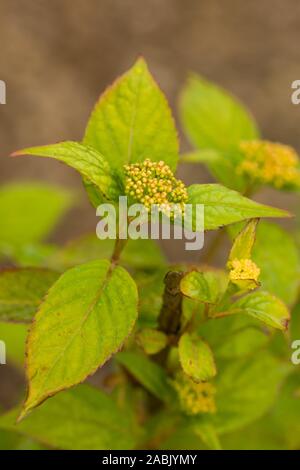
192, 351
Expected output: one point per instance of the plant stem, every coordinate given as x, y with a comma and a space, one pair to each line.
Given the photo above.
118, 248
170, 314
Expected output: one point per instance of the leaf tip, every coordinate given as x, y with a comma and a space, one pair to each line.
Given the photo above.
17, 153
287, 214
22, 415
140, 63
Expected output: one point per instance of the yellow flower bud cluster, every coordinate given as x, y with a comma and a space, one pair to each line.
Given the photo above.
243, 269
154, 183
270, 163
195, 397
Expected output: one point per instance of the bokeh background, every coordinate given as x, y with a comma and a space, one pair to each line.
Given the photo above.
57, 56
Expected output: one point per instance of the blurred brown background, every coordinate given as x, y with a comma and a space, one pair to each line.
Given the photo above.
57, 56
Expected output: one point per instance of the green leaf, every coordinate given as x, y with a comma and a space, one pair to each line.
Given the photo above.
93, 193
14, 336
242, 250
132, 121
259, 435
28, 212
81, 250
243, 342
216, 123
234, 336
32, 254
295, 322
91, 164
279, 429
221, 165
183, 437
196, 358
148, 373
151, 287
22, 291
244, 242
160, 425
143, 254
202, 156
86, 317
83, 418
265, 307
247, 389
277, 255
207, 433
223, 206
12, 441
205, 286
152, 341
212, 118
139, 253
286, 414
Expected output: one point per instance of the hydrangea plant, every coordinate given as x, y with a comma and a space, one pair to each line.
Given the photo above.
192, 356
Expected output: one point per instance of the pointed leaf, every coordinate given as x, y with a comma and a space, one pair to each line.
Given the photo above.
86, 317
89, 162
265, 307
224, 206
132, 121
212, 117
244, 242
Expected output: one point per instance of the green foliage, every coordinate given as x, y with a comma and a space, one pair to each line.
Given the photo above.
22, 291
88, 161
244, 242
136, 253
277, 255
247, 389
265, 307
206, 287
212, 118
14, 336
216, 123
219, 366
278, 430
150, 288
86, 317
207, 433
224, 206
235, 336
196, 358
148, 373
132, 121
20, 225
69, 421
152, 341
